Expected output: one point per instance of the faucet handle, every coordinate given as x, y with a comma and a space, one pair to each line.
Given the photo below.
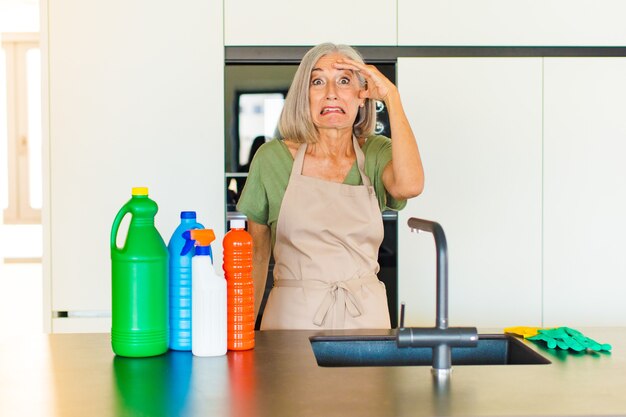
402, 306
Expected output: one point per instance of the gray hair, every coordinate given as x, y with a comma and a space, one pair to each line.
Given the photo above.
295, 121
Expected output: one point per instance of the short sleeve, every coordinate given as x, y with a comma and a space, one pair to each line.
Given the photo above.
254, 200
378, 156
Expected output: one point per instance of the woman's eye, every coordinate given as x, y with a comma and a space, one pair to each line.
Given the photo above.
316, 81
344, 81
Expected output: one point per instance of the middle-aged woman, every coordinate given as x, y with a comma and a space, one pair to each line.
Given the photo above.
314, 198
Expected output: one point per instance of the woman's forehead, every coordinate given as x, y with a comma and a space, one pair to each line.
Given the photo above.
327, 60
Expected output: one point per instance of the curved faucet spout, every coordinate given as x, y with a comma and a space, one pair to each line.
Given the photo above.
441, 246
441, 338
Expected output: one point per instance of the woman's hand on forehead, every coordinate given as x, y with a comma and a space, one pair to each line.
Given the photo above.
377, 85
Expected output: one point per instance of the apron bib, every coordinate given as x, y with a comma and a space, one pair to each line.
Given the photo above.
326, 253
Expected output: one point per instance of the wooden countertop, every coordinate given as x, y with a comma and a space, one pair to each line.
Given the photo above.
78, 375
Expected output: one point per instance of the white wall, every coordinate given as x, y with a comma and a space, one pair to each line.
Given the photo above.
478, 122
585, 191
18, 241
133, 85
19, 16
427, 22
135, 99
512, 22
524, 170
288, 22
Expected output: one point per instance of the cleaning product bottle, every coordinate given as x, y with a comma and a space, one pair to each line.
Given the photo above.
208, 305
238, 271
139, 282
180, 283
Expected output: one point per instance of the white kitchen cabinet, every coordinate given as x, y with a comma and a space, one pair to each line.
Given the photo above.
585, 191
478, 123
512, 22
288, 22
135, 98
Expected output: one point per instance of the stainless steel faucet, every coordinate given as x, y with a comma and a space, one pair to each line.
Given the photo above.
440, 338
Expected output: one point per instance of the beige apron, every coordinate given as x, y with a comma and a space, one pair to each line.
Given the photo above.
326, 251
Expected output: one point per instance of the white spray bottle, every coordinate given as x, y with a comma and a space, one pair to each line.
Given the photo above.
208, 299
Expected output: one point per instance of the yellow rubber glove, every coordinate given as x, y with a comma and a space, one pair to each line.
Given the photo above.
523, 331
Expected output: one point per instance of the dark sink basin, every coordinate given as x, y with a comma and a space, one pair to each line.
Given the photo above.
496, 349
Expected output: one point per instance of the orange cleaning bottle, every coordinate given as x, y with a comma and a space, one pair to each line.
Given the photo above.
239, 286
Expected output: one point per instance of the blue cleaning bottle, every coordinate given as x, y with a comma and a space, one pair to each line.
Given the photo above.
180, 283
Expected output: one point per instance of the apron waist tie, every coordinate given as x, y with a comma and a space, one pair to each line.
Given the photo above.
338, 293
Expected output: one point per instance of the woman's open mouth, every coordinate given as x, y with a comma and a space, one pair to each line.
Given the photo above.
327, 110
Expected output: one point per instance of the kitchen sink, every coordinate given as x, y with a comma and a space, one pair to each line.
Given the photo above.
492, 349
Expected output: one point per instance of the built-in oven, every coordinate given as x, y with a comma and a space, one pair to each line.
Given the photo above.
256, 84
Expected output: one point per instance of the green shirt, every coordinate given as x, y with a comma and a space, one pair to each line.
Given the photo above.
270, 170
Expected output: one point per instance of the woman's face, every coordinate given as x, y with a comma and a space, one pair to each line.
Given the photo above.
333, 94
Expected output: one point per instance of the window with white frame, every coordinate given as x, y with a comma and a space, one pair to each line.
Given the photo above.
20, 129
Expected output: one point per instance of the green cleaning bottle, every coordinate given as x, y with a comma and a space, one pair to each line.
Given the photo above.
139, 273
